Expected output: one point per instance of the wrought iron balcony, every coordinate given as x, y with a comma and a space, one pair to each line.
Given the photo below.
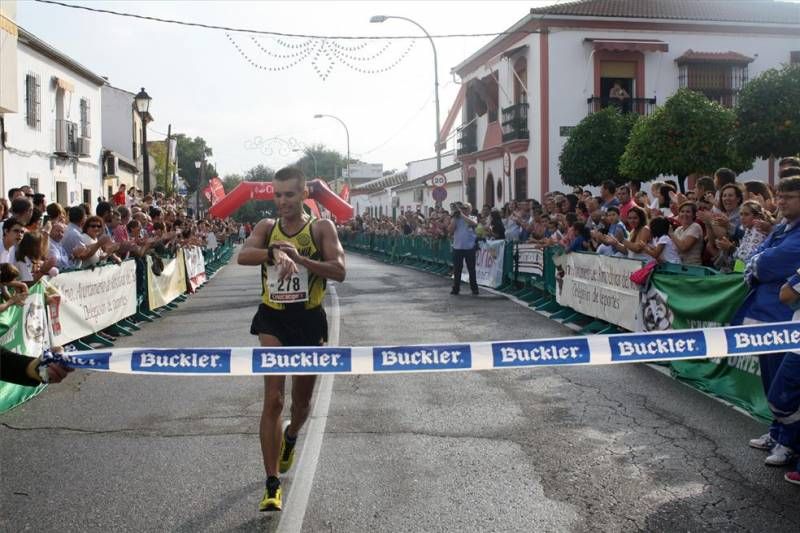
66, 138
640, 106
515, 122
468, 139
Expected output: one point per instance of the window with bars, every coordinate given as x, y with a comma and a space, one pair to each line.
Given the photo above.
720, 82
86, 118
33, 181
33, 100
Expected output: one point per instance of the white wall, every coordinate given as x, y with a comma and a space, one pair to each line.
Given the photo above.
29, 151
117, 112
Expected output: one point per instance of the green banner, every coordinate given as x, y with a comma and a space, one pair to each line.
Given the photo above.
680, 301
23, 329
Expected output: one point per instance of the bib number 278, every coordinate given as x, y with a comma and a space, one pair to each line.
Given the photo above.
290, 290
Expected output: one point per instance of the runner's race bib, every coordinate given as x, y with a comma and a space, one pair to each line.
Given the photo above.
293, 289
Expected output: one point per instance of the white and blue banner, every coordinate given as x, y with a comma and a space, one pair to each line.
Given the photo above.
488, 264
589, 350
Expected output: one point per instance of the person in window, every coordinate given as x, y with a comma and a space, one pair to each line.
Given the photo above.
618, 96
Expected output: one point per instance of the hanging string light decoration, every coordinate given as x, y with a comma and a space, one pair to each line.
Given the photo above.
273, 146
323, 54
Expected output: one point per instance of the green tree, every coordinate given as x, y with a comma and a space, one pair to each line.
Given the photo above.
189, 151
688, 134
592, 152
158, 151
329, 163
768, 114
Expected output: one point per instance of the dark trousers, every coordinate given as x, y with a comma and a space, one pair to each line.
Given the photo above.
784, 400
459, 257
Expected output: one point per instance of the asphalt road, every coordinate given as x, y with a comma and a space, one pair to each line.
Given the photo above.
567, 449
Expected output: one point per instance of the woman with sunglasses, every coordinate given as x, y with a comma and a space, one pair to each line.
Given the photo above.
92, 230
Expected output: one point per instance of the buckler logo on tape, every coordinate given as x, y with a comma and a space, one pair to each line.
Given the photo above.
182, 361
763, 338
311, 360
411, 358
533, 353
94, 361
674, 345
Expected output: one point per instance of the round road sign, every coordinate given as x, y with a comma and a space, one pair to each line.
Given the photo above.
439, 194
439, 180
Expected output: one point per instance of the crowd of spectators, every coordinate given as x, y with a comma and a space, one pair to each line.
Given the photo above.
719, 222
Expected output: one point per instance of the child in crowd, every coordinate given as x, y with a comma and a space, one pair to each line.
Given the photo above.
661, 247
9, 280
31, 258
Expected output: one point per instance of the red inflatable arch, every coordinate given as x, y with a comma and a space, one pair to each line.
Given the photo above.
318, 191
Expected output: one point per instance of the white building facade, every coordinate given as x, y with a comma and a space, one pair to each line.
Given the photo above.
53, 140
523, 91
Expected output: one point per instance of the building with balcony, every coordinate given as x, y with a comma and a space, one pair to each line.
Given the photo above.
52, 141
122, 141
523, 92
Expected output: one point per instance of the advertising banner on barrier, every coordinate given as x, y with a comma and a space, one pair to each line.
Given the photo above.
601, 287
169, 284
488, 264
195, 267
676, 302
23, 330
88, 301
531, 259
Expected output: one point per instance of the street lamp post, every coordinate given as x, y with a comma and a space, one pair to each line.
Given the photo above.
347, 132
201, 166
383, 18
142, 102
309, 152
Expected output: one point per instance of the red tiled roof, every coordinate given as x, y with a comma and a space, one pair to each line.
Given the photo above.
690, 56
752, 11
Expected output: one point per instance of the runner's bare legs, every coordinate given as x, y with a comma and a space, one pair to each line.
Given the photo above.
270, 427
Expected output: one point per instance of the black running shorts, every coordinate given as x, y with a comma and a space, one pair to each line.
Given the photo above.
306, 327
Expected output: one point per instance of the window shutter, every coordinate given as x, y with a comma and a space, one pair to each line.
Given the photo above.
37, 95
88, 134
30, 101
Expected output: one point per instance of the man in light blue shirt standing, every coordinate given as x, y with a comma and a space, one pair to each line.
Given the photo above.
462, 228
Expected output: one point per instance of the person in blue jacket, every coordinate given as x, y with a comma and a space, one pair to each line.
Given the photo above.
774, 262
784, 395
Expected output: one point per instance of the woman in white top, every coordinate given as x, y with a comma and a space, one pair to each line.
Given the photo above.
688, 237
92, 230
31, 258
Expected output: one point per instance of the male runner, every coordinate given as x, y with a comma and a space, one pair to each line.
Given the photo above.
297, 254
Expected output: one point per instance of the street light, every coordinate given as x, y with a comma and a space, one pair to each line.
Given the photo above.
383, 18
142, 102
309, 152
347, 132
201, 166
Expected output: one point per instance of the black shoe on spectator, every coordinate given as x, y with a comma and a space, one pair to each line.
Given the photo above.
454, 291
475, 293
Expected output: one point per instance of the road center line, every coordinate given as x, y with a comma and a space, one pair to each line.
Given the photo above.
291, 520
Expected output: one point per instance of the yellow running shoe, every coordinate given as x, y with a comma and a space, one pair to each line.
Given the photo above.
272, 498
287, 452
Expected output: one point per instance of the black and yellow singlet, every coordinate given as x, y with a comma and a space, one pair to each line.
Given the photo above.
303, 240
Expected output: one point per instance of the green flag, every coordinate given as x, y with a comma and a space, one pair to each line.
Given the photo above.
23, 329
679, 302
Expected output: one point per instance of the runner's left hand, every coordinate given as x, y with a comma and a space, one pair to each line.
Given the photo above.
289, 249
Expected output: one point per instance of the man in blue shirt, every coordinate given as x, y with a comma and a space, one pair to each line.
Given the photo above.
462, 228
784, 395
775, 261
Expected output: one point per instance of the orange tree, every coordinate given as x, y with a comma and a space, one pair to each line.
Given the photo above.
689, 134
768, 114
592, 151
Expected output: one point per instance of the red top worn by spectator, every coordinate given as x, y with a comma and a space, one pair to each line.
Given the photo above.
119, 198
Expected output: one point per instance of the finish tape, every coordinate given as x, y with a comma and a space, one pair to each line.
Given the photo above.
589, 350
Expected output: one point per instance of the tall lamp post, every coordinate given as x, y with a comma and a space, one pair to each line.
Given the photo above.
347, 132
383, 18
309, 152
201, 166
142, 101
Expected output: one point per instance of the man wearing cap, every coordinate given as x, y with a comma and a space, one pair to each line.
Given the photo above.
462, 228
